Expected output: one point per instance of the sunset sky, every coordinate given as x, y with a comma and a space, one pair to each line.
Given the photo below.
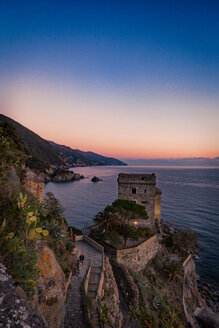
128, 79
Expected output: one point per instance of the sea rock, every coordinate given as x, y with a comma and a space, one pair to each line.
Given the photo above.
95, 179
206, 318
64, 176
51, 289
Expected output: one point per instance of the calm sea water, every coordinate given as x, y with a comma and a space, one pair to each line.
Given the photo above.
190, 200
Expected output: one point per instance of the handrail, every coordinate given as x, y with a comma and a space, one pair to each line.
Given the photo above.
100, 277
100, 248
100, 274
95, 244
84, 290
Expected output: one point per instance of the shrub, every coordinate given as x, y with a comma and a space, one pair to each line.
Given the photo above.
74, 230
66, 270
173, 270
130, 206
169, 241
19, 233
113, 236
182, 243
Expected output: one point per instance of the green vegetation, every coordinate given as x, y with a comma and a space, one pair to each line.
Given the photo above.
182, 243
160, 305
130, 209
148, 318
11, 152
112, 224
24, 221
74, 231
59, 239
20, 229
105, 315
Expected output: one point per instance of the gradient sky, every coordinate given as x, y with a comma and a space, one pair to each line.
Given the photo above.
129, 79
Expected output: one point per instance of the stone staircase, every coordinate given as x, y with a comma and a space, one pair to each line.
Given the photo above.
95, 318
91, 294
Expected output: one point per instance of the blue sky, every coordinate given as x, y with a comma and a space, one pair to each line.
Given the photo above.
133, 52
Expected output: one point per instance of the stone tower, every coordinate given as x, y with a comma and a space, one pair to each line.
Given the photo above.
141, 188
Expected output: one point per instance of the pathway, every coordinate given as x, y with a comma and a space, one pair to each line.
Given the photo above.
74, 315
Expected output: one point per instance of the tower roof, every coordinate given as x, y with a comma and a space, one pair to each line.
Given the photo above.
137, 178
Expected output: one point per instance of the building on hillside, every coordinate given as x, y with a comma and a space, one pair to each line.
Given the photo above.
142, 189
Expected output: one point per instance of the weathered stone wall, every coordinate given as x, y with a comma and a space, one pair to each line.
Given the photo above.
139, 188
111, 297
136, 258
126, 283
157, 205
36, 188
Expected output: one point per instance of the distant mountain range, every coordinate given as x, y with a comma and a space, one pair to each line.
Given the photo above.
79, 157
43, 154
192, 161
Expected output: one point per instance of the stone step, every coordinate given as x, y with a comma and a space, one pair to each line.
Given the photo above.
91, 294
92, 287
94, 278
95, 317
96, 323
96, 269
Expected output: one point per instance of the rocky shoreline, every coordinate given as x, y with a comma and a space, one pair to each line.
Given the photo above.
61, 175
58, 175
208, 292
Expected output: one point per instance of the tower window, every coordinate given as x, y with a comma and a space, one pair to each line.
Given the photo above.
133, 190
145, 191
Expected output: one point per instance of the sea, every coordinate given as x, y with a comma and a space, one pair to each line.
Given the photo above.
190, 200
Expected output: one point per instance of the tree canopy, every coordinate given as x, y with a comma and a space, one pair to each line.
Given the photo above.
113, 222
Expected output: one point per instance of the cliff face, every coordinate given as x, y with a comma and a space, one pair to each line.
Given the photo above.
36, 188
14, 310
191, 297
51, 289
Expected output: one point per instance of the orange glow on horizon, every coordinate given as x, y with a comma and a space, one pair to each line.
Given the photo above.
115, 125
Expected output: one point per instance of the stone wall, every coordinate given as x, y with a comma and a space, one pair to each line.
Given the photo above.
136, 258
126, 283
157, 205
36, 188
110, 299
139, 188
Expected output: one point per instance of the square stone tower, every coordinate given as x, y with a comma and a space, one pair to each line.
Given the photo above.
141, 188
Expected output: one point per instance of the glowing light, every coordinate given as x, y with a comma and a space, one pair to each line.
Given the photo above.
136, 222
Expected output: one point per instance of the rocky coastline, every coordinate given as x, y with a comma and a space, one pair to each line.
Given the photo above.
57, 175
208, 292
61, 175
